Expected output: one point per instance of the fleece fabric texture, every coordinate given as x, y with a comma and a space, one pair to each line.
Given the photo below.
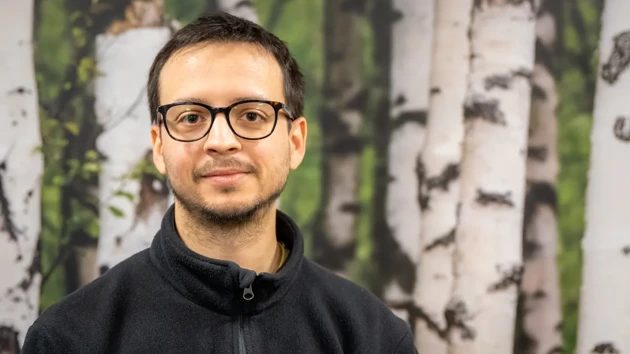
169, 299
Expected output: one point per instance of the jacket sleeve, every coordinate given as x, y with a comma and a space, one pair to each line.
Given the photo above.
406, 345
38, 340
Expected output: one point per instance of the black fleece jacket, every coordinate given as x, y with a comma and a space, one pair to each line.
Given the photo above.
169, 299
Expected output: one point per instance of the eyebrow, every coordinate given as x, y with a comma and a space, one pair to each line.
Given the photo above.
204, 101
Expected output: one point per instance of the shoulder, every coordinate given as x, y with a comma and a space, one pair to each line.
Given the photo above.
361, 311
85, 313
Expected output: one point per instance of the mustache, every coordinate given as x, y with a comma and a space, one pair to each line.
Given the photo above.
210, 167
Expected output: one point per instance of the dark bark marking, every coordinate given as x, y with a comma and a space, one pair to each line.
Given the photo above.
416, 313
504, 81
539, 294
400, 100
485, 198
605, 348
8, 224
20, 90
334, 258
621, 129
448, 175
358, 7
14, 123
538, 153
538, 194
418, 117
423, 195
9, 340
352, 208
23, 112
458, 210
488, 110
538, 93
508, 278
435, 91
445, 240
455, 314
102, 269
558, 327
618, 59
118, 241
626, 250
556, 350
544, 56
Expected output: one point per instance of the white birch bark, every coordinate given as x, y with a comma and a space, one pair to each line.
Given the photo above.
541, 313
240, 8
441, 159
21, 169
412, 41
488, 259
340, 122
124, 60
604, 307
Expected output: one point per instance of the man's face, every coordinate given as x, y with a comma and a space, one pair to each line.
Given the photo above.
222, 177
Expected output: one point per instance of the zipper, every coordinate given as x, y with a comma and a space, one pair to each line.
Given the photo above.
248, 294
241, 339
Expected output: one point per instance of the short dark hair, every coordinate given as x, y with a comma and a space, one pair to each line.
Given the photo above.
221, 27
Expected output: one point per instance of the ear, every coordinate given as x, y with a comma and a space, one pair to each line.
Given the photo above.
297, 141
156, 142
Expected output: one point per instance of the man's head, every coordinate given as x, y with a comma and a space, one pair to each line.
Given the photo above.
226, 165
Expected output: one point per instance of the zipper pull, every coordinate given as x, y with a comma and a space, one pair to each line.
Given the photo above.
248, 294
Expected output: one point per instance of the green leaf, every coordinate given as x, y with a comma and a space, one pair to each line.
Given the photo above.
116, 211
91, 155
121, 193
59, 180
72, 127
91, 167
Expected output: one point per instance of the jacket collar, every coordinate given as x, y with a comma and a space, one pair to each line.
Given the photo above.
220, 285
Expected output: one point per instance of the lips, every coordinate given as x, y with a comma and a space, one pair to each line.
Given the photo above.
225, 177
223, 173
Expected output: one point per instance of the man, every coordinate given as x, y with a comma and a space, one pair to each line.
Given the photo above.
226, 272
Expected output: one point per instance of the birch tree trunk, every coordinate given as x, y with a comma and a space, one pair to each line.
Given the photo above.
341, 119
488, 259
604, 306
412, 40
539, 310
133, 196
240, 8
21, 169
441, 159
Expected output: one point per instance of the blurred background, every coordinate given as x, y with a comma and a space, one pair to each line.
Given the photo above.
90, 69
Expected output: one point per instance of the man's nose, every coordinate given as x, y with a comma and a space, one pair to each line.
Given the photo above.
221, 138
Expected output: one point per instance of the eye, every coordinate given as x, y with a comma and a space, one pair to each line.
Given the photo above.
252, 116
190, 118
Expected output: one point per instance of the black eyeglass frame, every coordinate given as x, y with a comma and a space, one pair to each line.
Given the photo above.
277, 106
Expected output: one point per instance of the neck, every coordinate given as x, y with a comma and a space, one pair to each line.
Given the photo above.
252, 245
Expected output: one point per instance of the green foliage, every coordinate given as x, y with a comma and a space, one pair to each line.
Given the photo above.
576, 90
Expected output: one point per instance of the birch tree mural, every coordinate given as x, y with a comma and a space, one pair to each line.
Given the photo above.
412, 40
134, 197
340, 120
539, 304
488, 260
604, 306
441, 159
21, 168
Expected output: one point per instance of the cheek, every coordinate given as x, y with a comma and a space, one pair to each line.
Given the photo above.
179, 159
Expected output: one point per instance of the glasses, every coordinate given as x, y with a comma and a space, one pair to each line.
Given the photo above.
250, 119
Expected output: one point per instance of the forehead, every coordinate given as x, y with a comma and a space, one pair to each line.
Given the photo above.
220, 72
